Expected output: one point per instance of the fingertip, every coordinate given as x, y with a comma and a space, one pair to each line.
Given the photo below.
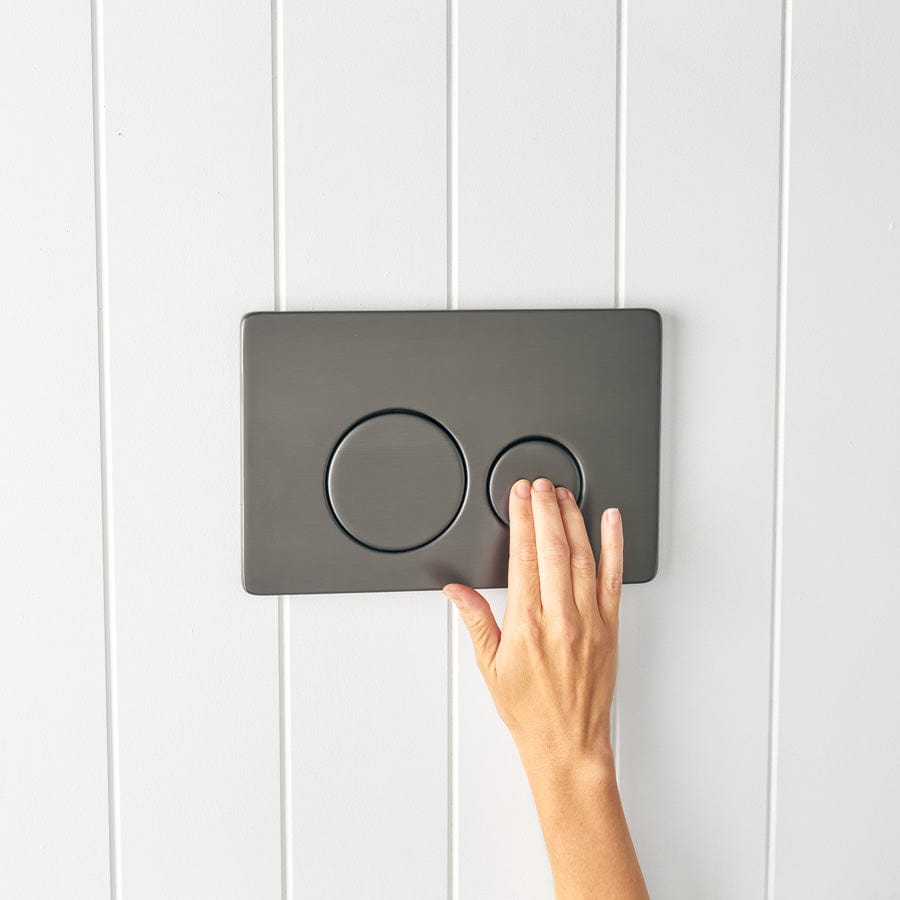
463, 596
521, 488
610, 569
519, 508
611, 525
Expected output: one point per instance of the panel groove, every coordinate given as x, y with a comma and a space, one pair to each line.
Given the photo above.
452, 156
619, 244
621, 144
278, 205
106, 505
284, 714
452, 752
283, 604
778, 498
452, 303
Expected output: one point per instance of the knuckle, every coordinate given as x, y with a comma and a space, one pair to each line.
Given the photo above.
613, 581
527, 554
532, 631
583, 559
596, 639
601, 646
520, 512
526, 633
554, 549
567, 632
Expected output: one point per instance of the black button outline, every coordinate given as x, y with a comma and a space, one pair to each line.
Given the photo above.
527, 439
391, 410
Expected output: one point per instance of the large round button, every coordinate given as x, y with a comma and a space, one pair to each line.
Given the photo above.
531, 458
396, 481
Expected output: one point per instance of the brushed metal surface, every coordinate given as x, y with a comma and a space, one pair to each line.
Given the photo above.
396, 481
588, 379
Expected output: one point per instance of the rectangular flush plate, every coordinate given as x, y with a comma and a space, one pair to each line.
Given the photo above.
379, 447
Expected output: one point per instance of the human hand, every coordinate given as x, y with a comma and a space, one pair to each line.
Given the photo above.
551, 673
552, 670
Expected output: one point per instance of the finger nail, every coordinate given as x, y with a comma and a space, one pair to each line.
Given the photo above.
543, 484
612, 516
523, 488
563, 493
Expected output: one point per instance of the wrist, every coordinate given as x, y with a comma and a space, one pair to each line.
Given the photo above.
594, 768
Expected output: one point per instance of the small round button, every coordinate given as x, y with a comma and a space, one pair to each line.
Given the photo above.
396, 481
531, 458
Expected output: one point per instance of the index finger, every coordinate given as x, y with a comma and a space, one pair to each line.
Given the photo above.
524, 596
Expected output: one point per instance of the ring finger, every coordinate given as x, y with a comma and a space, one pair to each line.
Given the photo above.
553, 556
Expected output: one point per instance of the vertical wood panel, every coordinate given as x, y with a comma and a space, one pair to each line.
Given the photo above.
365, 142
369, 739
701, 241
838, 821
537, 87
53, 775
189, 153
501, 849
365, 220
536, 151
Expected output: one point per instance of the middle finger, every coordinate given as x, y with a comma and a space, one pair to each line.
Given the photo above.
524, 595
584, 573
553, 555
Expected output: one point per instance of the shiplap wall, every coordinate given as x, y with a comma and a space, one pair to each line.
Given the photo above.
166, 167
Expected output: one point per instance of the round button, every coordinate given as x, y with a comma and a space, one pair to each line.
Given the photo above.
396, 481
531, 458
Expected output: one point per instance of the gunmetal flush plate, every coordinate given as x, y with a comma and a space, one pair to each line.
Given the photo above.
379, 447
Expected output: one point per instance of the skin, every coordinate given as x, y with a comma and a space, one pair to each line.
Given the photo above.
551, 673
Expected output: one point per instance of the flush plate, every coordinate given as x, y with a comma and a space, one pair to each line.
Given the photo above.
379, 447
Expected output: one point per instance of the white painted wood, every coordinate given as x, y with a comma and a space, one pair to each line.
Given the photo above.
369, 737
501, 848
701, 239
536, 150
365, 165
536, 153
189, 155
363, 193
366, 226
838, 822
53, 776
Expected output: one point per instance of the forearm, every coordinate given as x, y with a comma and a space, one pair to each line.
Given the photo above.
588, 843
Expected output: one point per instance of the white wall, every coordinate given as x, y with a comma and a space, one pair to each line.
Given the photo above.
166, 167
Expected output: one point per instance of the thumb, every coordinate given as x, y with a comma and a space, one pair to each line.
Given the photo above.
478, 618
